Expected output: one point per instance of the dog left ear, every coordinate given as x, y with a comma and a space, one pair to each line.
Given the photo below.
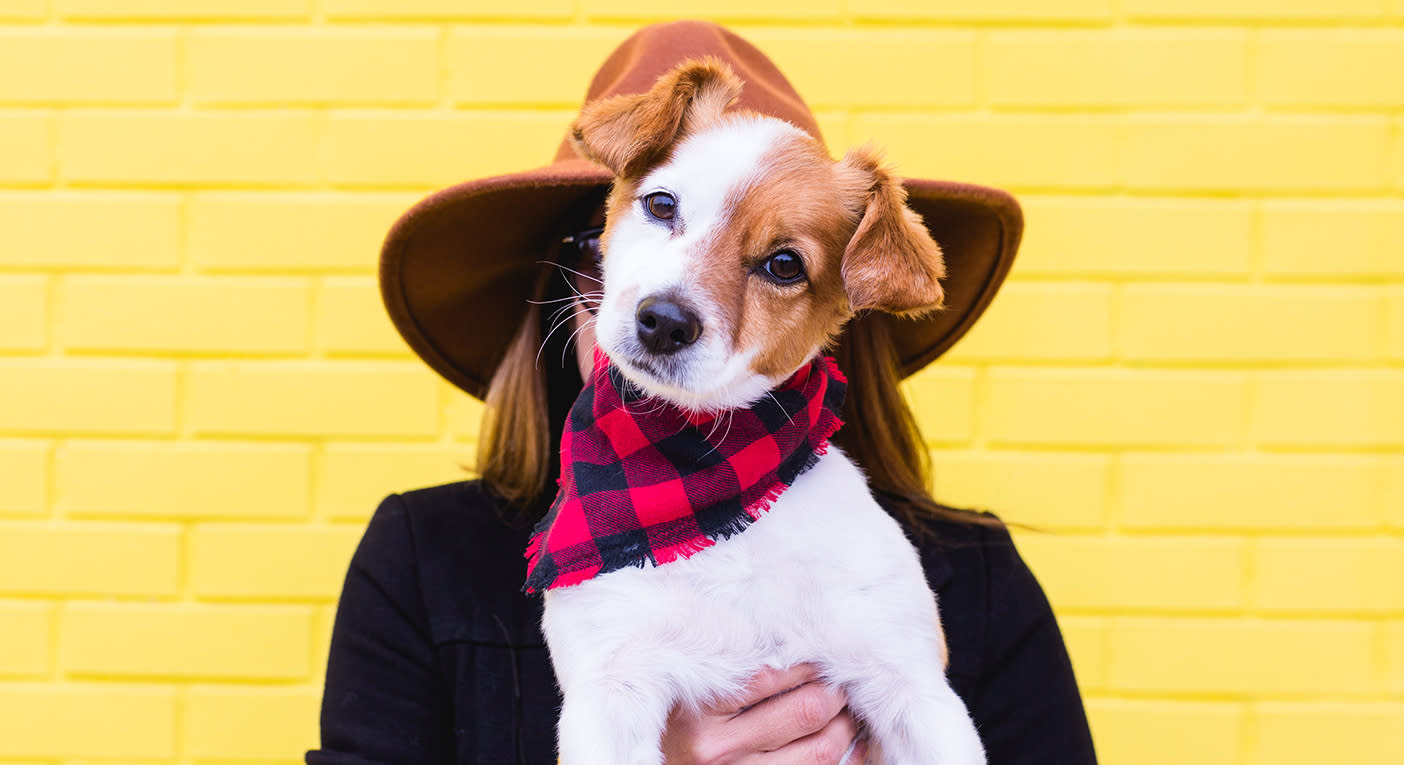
630, 133
891, 264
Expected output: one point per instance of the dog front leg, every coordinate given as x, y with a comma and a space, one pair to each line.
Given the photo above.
612, 722
916, 716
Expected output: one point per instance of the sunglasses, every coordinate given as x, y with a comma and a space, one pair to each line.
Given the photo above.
583, 257
583, 250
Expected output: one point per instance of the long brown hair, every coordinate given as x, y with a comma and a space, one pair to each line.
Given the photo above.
532, 390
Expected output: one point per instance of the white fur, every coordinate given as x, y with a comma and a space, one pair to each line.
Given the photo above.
825, 577
646, 257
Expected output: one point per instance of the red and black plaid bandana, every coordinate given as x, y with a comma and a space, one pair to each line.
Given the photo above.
645, 481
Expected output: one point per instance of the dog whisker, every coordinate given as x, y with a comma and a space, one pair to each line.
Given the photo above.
782, 408
573, 271
589, 321
563, 322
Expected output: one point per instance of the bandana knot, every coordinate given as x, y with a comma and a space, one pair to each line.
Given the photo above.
645, 481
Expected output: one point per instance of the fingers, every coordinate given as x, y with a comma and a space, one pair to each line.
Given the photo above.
769, 683
804, 711
837, 743
782, 716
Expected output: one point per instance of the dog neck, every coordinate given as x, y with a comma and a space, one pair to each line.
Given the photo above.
645, 482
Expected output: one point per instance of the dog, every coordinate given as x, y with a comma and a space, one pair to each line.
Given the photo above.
735, 251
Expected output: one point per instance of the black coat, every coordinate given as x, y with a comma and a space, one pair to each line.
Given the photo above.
437, 657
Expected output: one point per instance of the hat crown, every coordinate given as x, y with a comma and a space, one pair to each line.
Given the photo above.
652, 51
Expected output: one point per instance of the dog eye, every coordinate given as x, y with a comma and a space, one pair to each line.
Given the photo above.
784, 267
661, 205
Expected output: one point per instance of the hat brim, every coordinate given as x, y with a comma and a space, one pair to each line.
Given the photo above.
457, 269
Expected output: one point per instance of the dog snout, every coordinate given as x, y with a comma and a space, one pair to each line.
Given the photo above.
666, 326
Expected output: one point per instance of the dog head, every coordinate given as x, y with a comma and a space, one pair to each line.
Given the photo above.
735, 247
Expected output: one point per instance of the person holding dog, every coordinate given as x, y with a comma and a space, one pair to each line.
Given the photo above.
437, 653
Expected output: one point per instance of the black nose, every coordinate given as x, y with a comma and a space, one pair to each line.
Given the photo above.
666, 327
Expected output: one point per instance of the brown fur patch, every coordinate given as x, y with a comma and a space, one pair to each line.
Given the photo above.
796, 202
631, 133
892, 264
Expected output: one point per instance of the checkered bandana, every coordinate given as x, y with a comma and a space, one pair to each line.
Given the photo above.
642, 480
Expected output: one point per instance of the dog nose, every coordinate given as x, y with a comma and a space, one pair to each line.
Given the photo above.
666, 327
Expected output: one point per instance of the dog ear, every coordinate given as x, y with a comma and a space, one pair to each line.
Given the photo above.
891, 264
630, 133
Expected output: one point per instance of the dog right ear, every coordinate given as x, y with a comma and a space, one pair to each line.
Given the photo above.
630, 133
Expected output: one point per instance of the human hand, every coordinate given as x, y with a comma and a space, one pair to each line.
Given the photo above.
781, 717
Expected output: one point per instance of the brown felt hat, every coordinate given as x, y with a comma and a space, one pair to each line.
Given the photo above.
457, 269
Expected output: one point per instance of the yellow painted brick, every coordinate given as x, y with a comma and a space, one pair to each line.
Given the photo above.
1329, 575
1392, 491
836, 129
24, 312
1086, 640
224, 723
323, 621
966, 10
1329, 68
1043, 322
463, 414
87, 396
1332, 239
1247, 657
190, 314
1330, 408
1116, 407
1256, 9
447, 9
1394, 323
1250, 153
942, 398
354, 478
233, 231
563, 59
24, 10
106, 479
61, 230
26, 147
1137, 572
1139, 237
200, 148
301, 562
1394, 656
855, 68
1117, 68
89, 558
1290, 733
1181, 323
1000, 150
117, 721
387, 149
280, 66
63, 66
351, 319
25, 636
1222, 492
1152, 732
1046, 491
317, 399
185, 640
205, 10
725, 10
25, 465
1399, 153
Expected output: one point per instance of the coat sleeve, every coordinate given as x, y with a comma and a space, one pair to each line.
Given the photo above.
385, 700
1027, 705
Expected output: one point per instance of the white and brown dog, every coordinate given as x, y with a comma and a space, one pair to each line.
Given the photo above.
736, 249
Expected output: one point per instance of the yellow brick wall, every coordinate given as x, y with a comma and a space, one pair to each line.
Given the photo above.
1193, 384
